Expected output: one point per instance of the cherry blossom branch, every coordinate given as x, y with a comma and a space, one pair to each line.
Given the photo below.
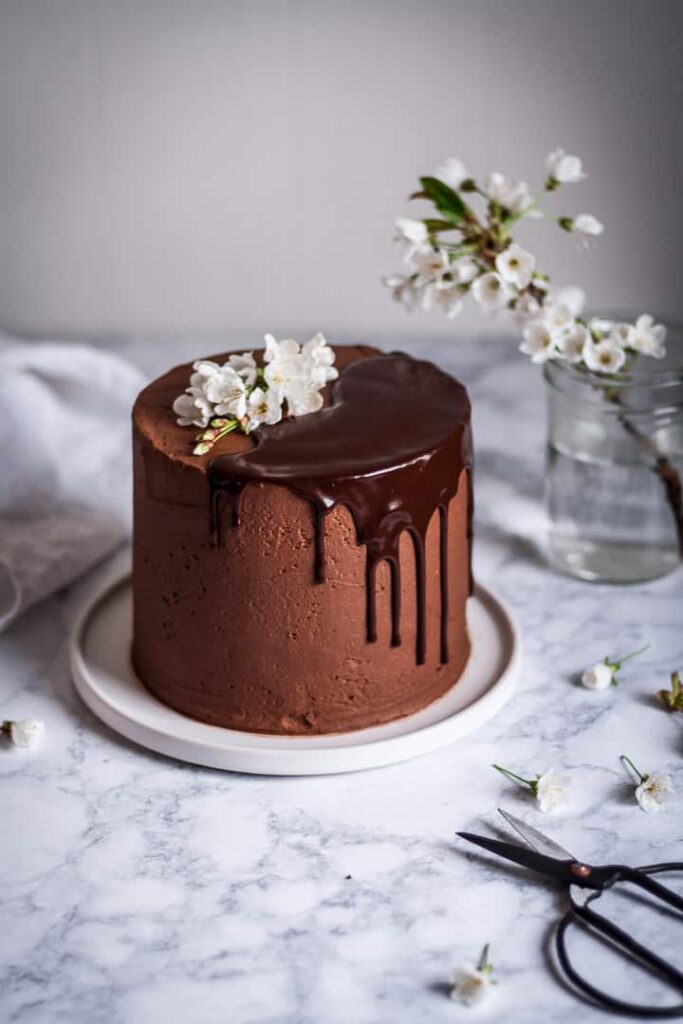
503, 277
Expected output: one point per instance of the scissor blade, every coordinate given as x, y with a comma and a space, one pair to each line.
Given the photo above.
535, 839
551, 866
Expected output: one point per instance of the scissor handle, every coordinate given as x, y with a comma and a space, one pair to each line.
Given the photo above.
585, 914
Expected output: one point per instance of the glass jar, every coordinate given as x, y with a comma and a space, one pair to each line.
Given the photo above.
615, 468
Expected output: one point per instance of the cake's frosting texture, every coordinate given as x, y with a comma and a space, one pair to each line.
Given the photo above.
390, 448
311, 577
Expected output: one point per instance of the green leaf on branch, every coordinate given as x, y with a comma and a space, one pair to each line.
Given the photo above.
448, 203
434, 226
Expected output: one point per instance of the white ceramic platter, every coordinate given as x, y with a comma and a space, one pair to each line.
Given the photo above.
104, 678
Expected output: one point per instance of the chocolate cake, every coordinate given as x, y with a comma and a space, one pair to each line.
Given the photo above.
311, 577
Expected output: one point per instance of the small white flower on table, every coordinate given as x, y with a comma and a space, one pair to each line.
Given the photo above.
653, 789
604, 673
472, 983
551, 789
26, 732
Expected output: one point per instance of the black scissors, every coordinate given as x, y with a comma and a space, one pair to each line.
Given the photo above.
541, 854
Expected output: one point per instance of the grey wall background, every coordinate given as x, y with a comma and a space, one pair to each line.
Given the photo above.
189, 165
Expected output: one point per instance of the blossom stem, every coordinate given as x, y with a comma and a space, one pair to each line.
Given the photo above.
512, 775
634, 654
663, 467
484, 966
627, 761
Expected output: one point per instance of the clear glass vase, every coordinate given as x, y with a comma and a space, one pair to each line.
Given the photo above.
615, 469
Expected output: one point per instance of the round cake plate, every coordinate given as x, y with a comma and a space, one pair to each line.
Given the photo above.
104, 678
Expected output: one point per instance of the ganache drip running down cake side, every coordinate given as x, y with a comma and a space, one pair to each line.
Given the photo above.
311, 576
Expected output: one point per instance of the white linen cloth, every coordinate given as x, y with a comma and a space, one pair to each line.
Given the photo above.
65, 464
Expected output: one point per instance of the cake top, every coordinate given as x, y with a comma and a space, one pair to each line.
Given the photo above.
384, 410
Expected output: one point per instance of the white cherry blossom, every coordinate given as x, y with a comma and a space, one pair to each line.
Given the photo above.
586, 227
516, 266
538, 342
447, 296
511, 195
564, 167
193, 409
622, 335
526, 308
597, 677
227, 391
26, 732
285, 349
649, 337
572, 297
472, 982
552, 790
412, 233
403, 290
302, 397
430, 265
263, 407
571, 343
605, 357
464, 270
283, 373
654, 791
491, 292
470, 985
452, 172
557, 316
245, 366
318, 358
226, 397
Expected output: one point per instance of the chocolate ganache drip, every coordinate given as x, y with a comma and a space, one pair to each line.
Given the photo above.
390, 448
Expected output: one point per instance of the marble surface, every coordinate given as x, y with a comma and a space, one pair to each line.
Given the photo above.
136, 889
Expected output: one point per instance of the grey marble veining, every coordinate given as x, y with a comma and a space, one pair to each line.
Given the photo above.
136, 889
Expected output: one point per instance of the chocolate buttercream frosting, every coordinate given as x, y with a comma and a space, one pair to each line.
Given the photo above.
390, 448
236, 625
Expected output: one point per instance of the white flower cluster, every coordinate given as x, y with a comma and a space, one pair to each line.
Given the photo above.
241, 395
460, 254
556, 332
